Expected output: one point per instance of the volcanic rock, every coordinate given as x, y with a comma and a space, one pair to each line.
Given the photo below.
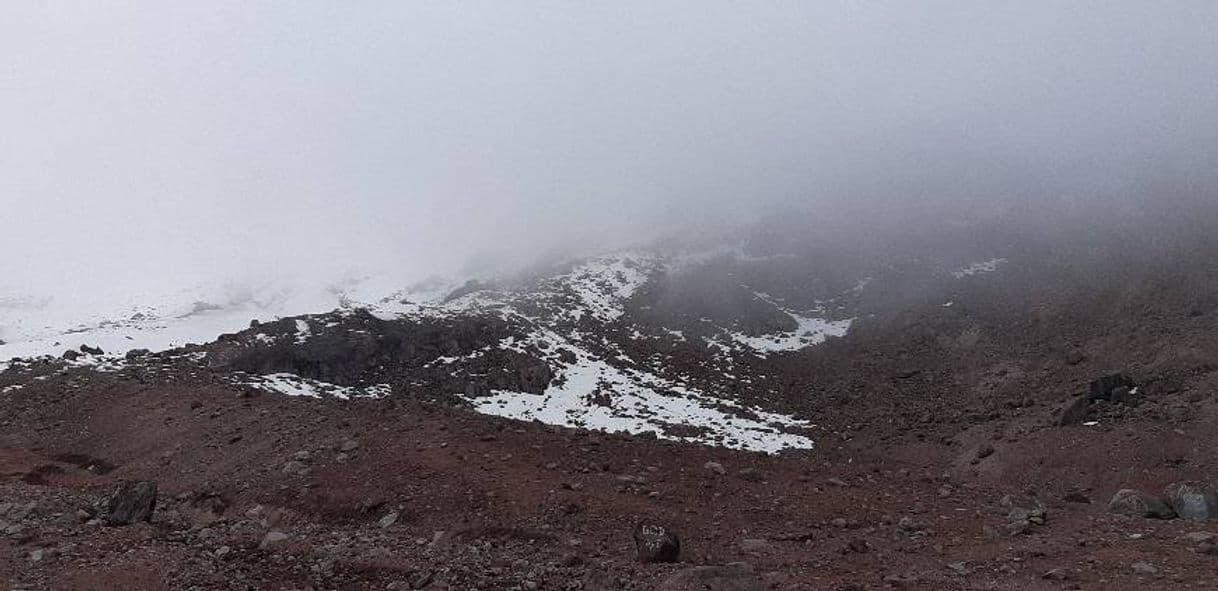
132, 501
1138, 504
656, 543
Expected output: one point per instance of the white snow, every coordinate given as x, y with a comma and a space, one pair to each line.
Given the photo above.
809, 331
119, 322
977, 268
603, 285
605, 390
593, 394
303, 332
294, 385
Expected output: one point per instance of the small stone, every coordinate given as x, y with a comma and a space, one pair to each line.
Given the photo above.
272, 538
1144, 568
295, 468
389, 520
421, 580
715, 467
910, 525
1198, 537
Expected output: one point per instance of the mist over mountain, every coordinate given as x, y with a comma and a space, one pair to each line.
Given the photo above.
637, 296
229, 141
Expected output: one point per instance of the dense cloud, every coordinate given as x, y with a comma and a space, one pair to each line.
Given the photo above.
147, 142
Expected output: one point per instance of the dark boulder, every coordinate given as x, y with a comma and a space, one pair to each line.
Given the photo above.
134, 354
91, 350
1138, 504
1103, 388
132, 502
656, 543
71, 355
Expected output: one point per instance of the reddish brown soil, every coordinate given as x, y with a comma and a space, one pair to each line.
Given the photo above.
902, 492
523, 502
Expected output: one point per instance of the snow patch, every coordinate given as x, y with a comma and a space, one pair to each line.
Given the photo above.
978, 268
294, 385
593, 394
603, 285
809, 331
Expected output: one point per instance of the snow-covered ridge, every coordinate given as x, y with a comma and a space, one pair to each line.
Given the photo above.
562, 318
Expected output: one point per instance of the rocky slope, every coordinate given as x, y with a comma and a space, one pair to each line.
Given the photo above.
925, 413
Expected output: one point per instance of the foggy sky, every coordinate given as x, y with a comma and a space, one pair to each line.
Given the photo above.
149, 141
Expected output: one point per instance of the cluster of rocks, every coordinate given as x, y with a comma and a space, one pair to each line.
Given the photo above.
1116, 388
656, 543
1187, 500
452, 355
73, 355
1023, 514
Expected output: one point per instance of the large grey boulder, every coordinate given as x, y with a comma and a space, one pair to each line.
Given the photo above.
1192, 500
1128, 501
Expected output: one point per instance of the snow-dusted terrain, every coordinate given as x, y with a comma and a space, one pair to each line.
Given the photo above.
563, 317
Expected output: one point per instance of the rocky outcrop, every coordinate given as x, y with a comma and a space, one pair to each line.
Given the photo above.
456, 355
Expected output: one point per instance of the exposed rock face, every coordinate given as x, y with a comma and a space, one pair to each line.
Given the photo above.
1117, 388
736, 576
1192, 500
132, 502
656, 543
1138, 504
358, 349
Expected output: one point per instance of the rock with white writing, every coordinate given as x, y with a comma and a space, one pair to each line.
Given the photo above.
656, 543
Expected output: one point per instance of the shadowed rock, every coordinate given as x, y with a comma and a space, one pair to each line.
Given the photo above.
656, 543
132, 502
